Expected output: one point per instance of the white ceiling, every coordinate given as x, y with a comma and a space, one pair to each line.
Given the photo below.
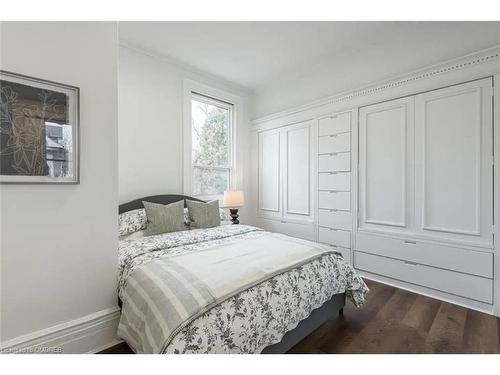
252, 54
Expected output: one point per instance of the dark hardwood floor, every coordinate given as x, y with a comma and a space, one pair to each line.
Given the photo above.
397, 321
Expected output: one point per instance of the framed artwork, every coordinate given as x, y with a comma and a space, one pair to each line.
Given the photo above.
38, 131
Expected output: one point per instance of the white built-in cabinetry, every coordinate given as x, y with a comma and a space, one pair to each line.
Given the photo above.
426, 190
334, 182
400, 179
285, 180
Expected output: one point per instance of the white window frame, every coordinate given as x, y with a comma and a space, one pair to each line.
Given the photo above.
195, 90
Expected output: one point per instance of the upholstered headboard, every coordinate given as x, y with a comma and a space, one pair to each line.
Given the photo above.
162, 199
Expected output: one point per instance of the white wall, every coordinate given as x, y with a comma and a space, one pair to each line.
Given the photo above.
150, 97
383, 60
59, 242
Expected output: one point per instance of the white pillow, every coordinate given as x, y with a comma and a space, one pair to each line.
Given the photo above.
224, 215
131, 221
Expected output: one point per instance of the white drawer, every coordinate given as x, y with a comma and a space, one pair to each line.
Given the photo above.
304, 231
340, 181
335, 200
335, 124
334, 143
335, 237
335, 219
460, 284
443, 256
334, 162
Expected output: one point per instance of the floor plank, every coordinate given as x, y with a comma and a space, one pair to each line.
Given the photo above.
422, 313
397, 321
122, 348
477, 333
446, 333
354, 319
385, 333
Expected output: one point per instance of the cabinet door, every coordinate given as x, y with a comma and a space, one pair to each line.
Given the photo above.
269, 174
453, 150
386, 165
298, 168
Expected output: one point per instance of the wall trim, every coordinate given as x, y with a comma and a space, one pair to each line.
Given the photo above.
88, 334
496, 192
477, 58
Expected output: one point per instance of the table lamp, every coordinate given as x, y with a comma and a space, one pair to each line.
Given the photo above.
233, 199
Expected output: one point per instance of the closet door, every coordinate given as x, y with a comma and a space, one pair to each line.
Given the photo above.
269, 174
453, 145
386, 166
297, 172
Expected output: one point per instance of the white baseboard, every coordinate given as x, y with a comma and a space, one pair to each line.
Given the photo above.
88, 334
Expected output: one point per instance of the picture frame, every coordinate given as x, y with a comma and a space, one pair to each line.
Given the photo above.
39, 131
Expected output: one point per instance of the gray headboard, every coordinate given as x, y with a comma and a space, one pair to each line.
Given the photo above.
162, 199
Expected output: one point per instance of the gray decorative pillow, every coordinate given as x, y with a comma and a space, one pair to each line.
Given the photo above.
203, 215
223, 214
164, 218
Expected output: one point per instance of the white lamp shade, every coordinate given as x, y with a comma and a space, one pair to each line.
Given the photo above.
233, 199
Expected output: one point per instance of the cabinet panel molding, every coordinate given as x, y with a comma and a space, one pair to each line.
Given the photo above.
297, 170
269, 172
453, 149
385, 163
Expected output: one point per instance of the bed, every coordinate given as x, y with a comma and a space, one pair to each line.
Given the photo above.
227, 289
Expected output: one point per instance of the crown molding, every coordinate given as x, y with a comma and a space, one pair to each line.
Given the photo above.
464, 62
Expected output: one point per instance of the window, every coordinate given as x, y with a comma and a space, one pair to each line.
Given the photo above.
211, 153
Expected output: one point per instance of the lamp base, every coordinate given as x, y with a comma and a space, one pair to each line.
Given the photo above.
234, 215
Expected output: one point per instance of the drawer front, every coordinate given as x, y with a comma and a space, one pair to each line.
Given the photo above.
335, 181
335, 124
443, 256
335, 219
460, 284
304, 231
334, 143
335, 200
334, 162
335, 237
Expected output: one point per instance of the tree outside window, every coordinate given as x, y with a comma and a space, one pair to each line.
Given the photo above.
211, 145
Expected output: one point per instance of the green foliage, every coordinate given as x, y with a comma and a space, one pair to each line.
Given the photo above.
211, 148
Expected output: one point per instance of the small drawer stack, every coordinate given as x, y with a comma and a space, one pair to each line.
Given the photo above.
334, 182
